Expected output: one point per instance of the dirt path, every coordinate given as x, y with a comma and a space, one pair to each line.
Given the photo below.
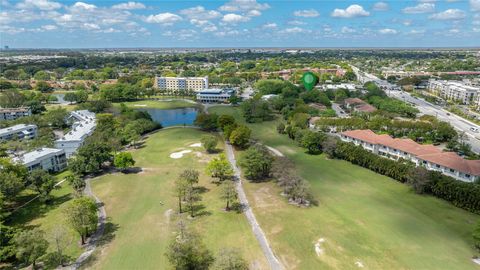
92, 241
274, 151
257, 230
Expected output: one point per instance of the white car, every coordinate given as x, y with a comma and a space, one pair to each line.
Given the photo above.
474, 129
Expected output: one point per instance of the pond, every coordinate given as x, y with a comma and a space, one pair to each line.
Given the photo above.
172, 117
60, 99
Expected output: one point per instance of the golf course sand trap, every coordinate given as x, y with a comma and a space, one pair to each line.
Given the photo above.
140, 105
179, 154
318, 246
196, 145
359, 264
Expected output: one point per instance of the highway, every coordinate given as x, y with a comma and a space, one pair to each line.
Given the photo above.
459, 123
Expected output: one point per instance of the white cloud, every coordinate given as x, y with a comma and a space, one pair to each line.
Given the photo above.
200, 13
350, 12
82, 5
347, 30
234, 18
209, 28
163, 18
243, 5
420, 8
449, 14
307, 13
49, 27
294, 30
40, 4
416, 32
454, 31
407, 22
380, 6
296, 22
475, 5
254, 13
387, 31
91, 26
129, 6
270, 26
11, 30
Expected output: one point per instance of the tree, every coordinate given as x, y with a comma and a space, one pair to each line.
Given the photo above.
12, 177
77, 183
57, 117
61, 239
281, 128
228, 193
31, 245
329, 145
206, 121
81, 215
209, 143
476, 236
44, 87
70, 97
256, 110
256, 162
123, 161
240, 136
90, 157
181, 186
186, 251
192, 196
225, 120
300, 120
42, 182
419, 179
220, 168
229, 259
312, 141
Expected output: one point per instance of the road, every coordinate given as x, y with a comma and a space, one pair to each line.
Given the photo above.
339, 111
257, 230
459, 123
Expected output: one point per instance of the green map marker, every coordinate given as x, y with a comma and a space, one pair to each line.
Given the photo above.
309, 80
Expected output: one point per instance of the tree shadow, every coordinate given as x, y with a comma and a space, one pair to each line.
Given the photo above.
133, 170
238, 207
201, 189
200, 210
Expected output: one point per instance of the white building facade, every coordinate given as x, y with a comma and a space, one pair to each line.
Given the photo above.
20, 131
177, 85
455, 90
214, 95
47, 159
14, 113
84, 125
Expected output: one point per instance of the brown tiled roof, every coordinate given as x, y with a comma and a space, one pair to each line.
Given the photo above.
428, 153
365, 108
353, 101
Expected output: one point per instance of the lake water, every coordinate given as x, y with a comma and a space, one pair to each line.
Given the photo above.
173, 117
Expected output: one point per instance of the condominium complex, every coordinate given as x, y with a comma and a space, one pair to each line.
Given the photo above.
21, 131
428, 156
175, 85
14, 113
48, 159
455, 90
214, 95
84, 125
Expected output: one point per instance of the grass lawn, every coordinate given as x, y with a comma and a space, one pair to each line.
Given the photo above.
48, 216
142, 209
159, 104
363, 217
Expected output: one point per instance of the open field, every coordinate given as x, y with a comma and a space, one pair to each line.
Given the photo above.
363, 218
160, 104
142, 209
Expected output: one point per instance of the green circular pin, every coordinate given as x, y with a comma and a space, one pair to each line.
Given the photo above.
309, 80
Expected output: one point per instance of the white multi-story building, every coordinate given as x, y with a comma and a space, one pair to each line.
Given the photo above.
48, 159
84, 125
214, 95
14, 113
20, 131
455, 90
428, 156
175, 85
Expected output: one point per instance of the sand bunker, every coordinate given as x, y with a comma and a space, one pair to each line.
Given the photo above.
179, 154
196, 145
318, 246
359, 264
140, 105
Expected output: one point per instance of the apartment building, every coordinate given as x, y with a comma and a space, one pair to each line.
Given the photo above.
83, 126
20, 131
428, 156
455, 90
48, 159
175, 85
14, 113
214, 95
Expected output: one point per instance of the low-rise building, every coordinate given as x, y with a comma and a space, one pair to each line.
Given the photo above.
48, 159
214, 95
428, 156
358, 105
175, 85
455, 90
14, 113
84, 125
20, 131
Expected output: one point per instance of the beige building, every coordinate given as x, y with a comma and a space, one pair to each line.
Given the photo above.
455, 90
177, 85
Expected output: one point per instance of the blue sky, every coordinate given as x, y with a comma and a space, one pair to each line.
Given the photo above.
239, 23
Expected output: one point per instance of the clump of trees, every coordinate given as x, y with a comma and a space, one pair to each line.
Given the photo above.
123, 161
256, 162
220, 168
256, 110
186, 190
81, 215
209, 142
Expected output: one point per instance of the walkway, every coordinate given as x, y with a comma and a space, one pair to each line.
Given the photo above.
257, 230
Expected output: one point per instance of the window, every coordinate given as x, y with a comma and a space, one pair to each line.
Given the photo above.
452, 170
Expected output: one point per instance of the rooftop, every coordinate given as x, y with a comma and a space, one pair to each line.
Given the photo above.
10, 110
15, 129
34, 156
82, 128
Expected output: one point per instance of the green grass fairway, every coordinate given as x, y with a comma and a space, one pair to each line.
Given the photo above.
363, 217
143, 209
159, 104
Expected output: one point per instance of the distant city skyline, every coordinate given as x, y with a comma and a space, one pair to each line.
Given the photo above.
239, 23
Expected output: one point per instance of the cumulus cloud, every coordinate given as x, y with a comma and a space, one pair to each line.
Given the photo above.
307, 13
347, 30
416, 32
82, 5
243, 5
380, 6
40, 4
350, 12
449, 14
294, 30
166, 18
129, 6
200, 12
420, 8
295, 22
49, 27
234, 18
475, 5
387, 31
254, 13
270, 26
